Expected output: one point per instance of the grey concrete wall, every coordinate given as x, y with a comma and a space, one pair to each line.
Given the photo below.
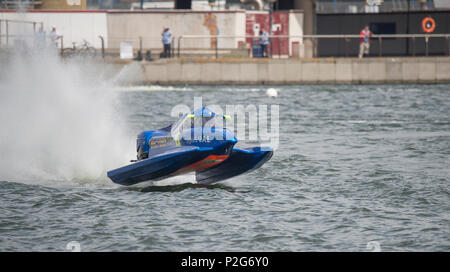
129, 26
316, 71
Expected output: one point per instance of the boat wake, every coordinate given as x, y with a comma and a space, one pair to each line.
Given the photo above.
57, 124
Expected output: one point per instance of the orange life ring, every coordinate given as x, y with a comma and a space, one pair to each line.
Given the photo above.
428, 25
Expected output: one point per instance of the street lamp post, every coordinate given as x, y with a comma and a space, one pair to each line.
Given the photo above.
271, 3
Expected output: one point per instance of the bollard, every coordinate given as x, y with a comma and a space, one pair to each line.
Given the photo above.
139, 56
148, 55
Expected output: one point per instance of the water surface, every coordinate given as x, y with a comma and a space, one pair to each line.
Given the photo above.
355, 164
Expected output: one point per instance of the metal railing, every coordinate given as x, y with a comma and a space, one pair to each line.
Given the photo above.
216, 40
227, 45
141, 44
86, 50
32, 42
275, 45
5, 25
380, 37
30, 38
279, 45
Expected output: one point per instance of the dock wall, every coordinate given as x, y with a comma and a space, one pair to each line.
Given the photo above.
315, 71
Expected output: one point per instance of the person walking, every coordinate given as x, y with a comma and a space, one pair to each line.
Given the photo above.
264, 41
364, 41
167, 41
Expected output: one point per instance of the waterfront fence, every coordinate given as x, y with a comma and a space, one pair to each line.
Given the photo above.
280, 46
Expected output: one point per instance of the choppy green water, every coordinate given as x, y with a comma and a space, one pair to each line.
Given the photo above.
355, 164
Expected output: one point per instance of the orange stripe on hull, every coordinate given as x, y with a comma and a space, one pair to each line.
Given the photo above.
207, 162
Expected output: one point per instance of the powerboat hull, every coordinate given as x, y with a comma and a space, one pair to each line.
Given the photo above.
190, 146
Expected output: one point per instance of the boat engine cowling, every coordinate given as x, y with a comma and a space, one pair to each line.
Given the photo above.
142, 147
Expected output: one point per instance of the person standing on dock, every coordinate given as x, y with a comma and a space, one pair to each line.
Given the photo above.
364, 41
264, 41
54, 37
166, 40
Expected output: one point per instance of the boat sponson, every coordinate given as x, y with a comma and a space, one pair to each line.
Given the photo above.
240, 161
159, 166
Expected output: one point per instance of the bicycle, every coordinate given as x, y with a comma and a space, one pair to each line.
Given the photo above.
85, 50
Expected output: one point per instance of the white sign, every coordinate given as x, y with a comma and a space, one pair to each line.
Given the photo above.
126, 50
256, 29
276, 27
73, 2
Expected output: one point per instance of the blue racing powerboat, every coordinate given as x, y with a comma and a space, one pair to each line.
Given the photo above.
198, 142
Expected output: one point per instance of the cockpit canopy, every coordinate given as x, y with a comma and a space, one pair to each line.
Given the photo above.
200, 118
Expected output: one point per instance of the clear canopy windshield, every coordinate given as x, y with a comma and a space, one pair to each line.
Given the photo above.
191, 121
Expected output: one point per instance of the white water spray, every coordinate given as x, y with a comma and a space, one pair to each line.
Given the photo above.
57, 121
